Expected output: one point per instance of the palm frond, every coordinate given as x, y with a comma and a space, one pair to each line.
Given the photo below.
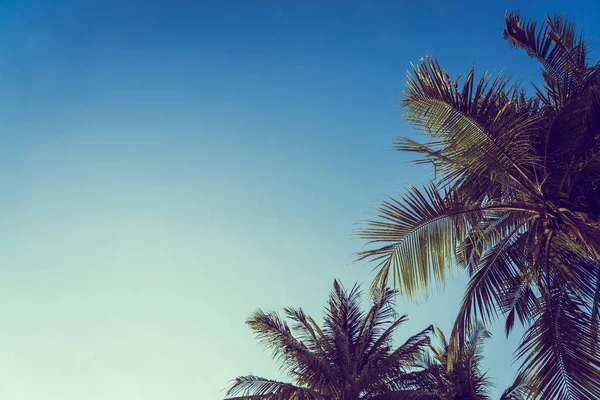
343, 321
305, 328
518, 390
292, 354
409, 395
380, 323
414, 346
421, 233
274, 333
252, 387
556, 350
413, 227
459, 375
496, 271
484, 128
381, 316
387, 365
556, 46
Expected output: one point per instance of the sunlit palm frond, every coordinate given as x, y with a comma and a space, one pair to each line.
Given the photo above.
410, 228
421, 233
274, 333
472, 126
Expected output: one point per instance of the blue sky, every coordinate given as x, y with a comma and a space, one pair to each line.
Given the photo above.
169, 167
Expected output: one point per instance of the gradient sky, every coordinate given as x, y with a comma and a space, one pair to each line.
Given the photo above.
169, 167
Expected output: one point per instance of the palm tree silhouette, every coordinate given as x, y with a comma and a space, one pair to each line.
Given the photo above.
350, 358
516, 202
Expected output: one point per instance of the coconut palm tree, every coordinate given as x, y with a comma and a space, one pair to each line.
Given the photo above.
515, 200
458, 378
350, 358
461, 377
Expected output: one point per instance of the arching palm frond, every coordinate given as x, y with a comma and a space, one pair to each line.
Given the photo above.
421, 234
409, 228
292, 354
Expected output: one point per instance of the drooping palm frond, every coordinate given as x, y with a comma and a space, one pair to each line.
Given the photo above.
421, 233
497, 284
408, 228
557, 351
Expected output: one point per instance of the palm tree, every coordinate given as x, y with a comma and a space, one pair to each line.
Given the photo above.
461, 377
350, 358
515, 200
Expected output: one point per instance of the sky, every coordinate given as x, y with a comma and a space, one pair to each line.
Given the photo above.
169, 167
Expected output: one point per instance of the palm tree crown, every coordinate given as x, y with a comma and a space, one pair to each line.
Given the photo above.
351, 357
515, 201
461, 377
